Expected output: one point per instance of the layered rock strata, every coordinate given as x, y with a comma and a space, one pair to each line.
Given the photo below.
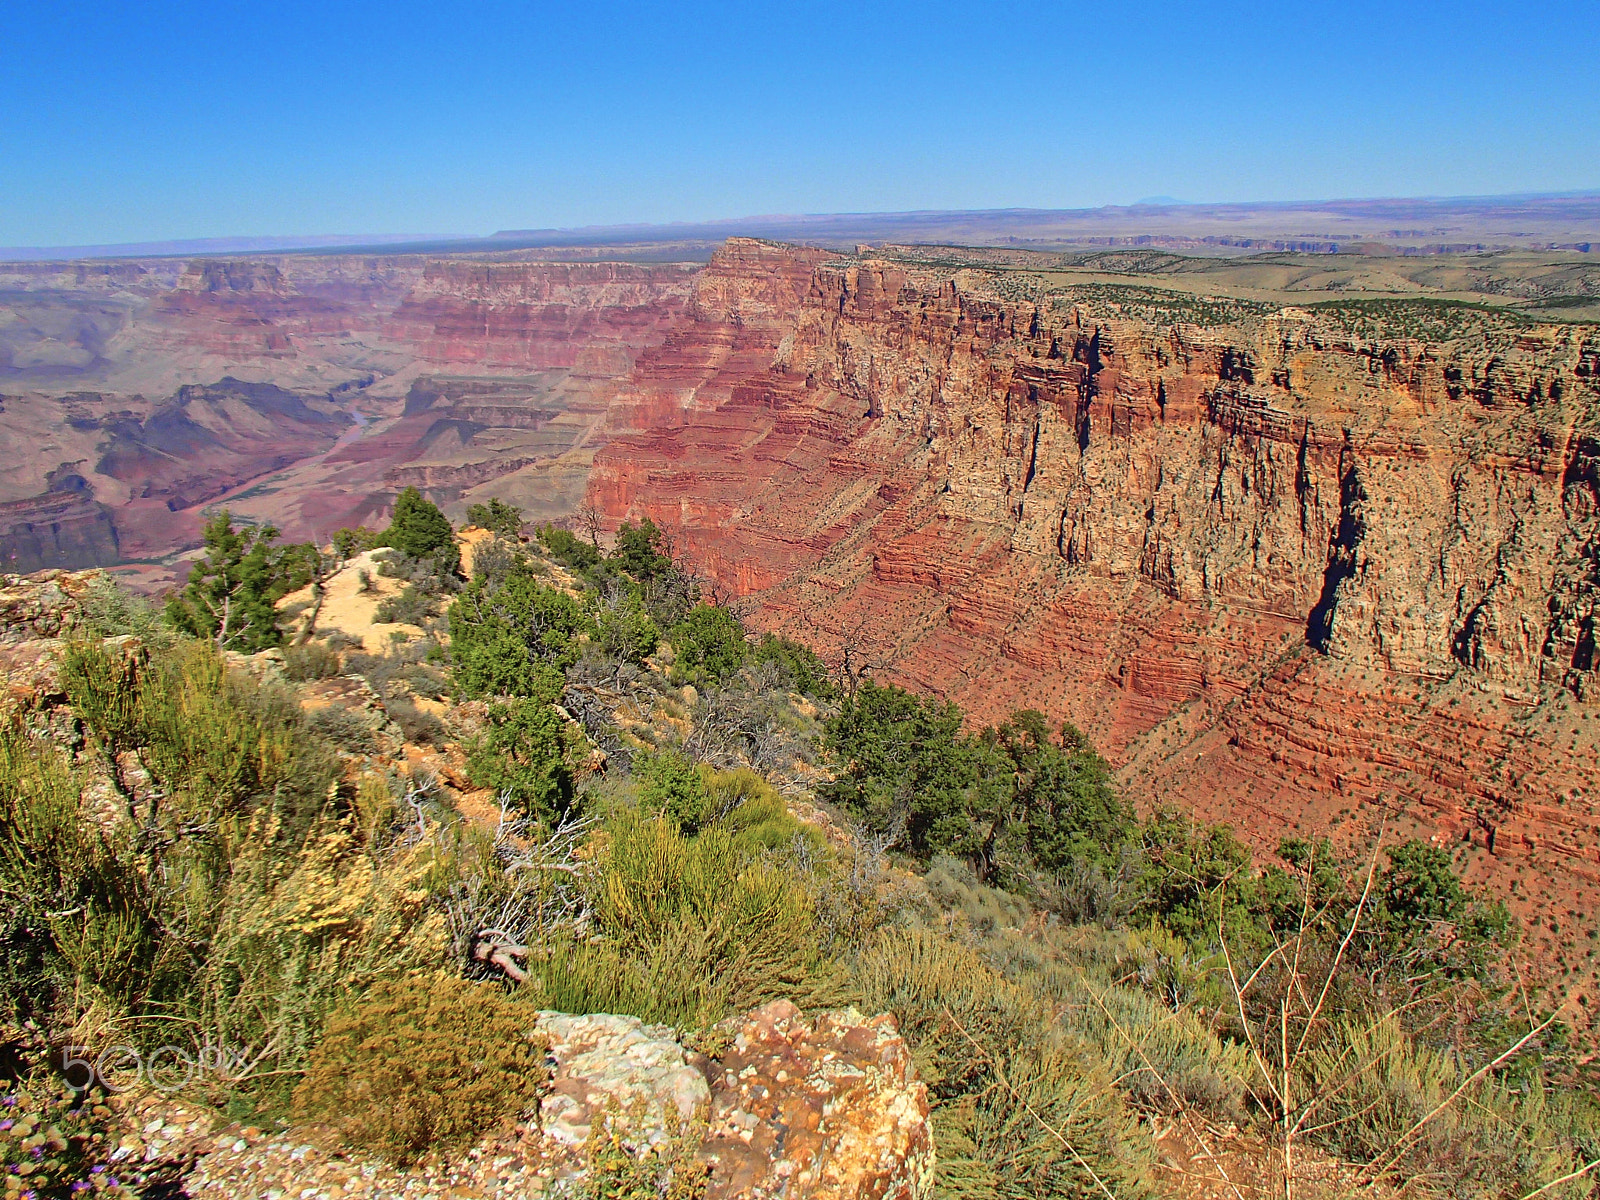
301, 390
1293, 568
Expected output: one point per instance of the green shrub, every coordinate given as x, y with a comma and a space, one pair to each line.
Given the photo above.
298, 929
990, 1051
79, 912
523, 751
641, 550
1062, 801
747, 806
230, 594
707, 645
347, 543
515, 637
903, 759
493, 560
245, 904
1373, 1084
1010, 800
108, 610
416, 723
419, 530
1132, 998
216, 737
625, 629
418, 1065
1046, 1122
694, 928
410, 607
343, 729
1189, 865
803, 671
567, 549
498, 517
670, 784
952, 883
311, 660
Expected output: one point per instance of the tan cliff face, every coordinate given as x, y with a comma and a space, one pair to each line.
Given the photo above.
1293, 568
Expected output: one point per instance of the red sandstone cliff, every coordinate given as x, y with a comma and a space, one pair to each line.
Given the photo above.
1286, 572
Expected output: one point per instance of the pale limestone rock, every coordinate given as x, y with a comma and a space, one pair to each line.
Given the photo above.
600, 1060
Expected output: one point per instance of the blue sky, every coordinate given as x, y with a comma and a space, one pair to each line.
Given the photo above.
133, 122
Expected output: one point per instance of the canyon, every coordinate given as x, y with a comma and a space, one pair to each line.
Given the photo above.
298, 390
1306, 543
1304, 567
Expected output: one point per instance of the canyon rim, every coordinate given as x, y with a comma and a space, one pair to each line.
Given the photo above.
1302, 552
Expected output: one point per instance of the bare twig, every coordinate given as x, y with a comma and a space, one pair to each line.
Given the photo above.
1567, 1178
1029, 1109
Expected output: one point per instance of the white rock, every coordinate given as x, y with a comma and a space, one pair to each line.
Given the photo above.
603, 1059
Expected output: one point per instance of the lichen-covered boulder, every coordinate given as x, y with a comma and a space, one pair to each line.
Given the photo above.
830, 1110
600, 1061
42, 605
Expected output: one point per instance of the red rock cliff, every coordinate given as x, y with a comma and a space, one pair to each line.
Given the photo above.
1289, 569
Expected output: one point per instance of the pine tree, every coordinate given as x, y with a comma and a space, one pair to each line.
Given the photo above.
230, 594
420, 530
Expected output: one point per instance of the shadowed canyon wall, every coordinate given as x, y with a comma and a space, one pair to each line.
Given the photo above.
1301, 570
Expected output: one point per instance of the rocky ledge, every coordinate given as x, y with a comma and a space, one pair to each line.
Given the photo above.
827, 1107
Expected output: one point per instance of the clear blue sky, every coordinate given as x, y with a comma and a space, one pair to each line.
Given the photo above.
140, 121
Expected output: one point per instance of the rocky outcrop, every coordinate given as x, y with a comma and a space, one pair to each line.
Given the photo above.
828, 1109
825, 1108
43, 605
1290, 567
604, 1064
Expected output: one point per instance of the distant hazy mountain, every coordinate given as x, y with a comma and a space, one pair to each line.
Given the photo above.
1418, 225
228, 245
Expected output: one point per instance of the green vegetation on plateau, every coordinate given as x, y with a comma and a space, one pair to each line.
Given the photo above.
1062, 967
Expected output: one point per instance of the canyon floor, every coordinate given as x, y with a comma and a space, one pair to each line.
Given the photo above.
1305, 542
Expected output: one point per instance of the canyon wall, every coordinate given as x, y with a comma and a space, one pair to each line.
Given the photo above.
1300, 570
301, 390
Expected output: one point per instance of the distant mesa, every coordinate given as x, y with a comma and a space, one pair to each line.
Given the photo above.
1464, 224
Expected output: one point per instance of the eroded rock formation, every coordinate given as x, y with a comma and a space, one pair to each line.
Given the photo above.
301, 390
1292, 568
